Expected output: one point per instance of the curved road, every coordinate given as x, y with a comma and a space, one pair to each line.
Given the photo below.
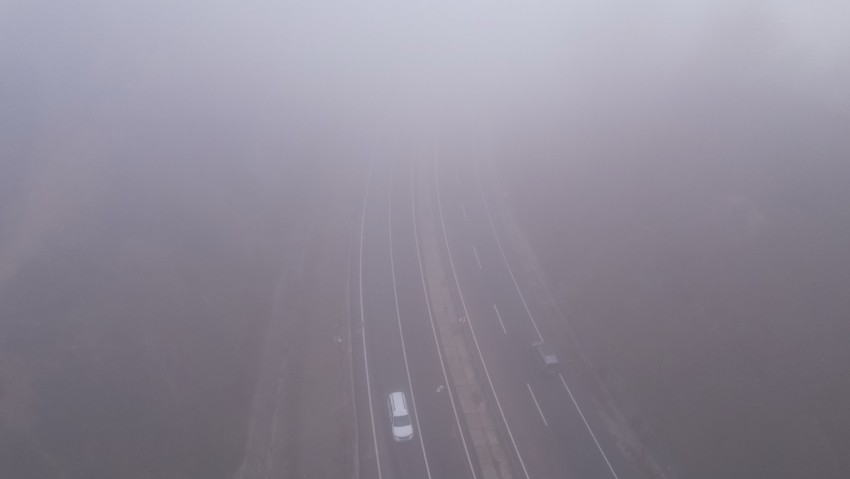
511, 419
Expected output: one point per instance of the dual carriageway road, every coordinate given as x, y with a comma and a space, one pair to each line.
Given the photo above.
542, 426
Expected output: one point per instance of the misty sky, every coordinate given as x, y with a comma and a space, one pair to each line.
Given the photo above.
357, 58
78, 77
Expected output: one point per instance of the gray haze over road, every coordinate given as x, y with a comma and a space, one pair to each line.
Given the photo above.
663, 186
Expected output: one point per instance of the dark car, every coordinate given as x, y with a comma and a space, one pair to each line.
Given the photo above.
545, 355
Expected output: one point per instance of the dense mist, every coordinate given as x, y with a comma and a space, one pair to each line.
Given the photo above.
168, 171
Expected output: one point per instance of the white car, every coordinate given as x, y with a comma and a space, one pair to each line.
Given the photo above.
399, 417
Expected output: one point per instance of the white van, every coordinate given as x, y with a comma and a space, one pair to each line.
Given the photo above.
399, 417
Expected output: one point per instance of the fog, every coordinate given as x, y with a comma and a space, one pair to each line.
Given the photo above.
680, 167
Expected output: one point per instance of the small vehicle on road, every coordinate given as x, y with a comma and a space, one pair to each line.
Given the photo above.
402, 427
546, 357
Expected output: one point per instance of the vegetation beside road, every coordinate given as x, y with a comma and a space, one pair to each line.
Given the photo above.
138, 274
701, 251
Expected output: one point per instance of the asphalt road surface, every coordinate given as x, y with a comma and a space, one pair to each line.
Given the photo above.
547, 428
400, 352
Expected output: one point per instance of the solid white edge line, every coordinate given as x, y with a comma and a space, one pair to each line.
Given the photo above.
356, 452
449, 387
269, 456
498, 315
584, 419
398, 318
527, 310
502, 251
363, 320
468, 318
477, 259
545, 423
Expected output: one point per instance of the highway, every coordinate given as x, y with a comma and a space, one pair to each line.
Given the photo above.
398, 346
439, 313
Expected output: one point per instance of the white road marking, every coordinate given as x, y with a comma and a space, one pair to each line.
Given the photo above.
398, 318
502, 251
500, 319
537, 404
363, 321
584, 419
463, 207
466, 312
356, 446
530, 316
433, 326
269, 456
477, 259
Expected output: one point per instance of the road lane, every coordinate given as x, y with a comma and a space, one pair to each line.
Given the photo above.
505, 354
442, 434
566, 447
370, 465
412, 390
397, 347
576, 397
385, 353
470, 321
